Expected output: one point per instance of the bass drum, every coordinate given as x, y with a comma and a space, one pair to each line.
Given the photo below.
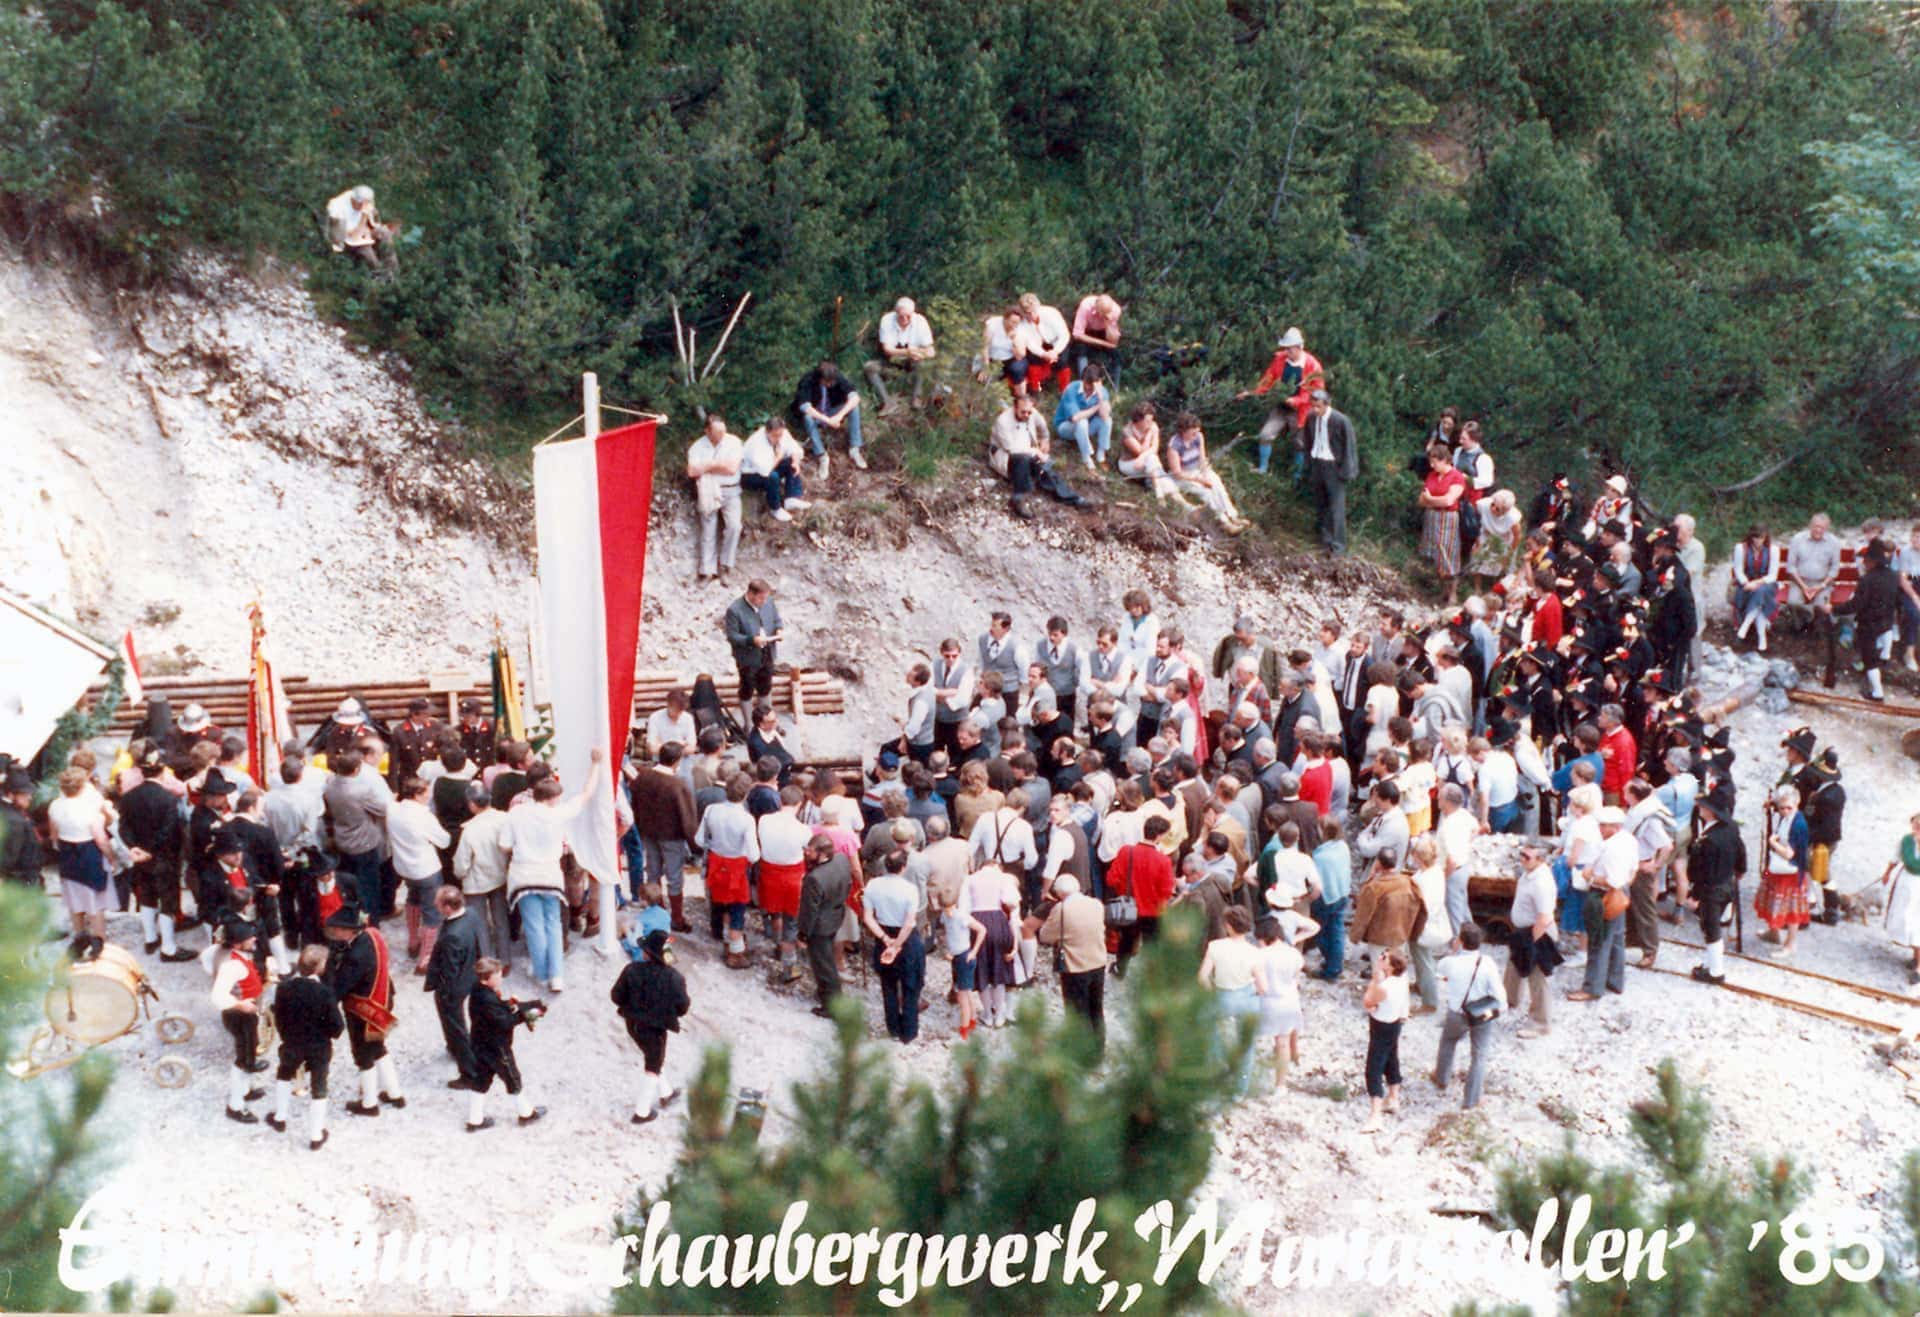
99, 999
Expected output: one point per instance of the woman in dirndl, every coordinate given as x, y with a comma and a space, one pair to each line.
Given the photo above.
78, 818
1440, 496
993, 897
1782, 902
1903, 900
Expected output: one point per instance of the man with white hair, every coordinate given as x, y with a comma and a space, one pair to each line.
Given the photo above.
354, 230
1078, 925
1813, 561
1613, 870
906, 340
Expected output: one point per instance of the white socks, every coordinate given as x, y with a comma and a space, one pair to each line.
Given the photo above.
369, 1089
521, 1103
236, 1089
282, 1099
167, 944
150, 923
476, 1108
1029, 953
1717, 957
316, 1120
1873, 683
389, 1077
1746, 624
649, 1100
1760, 628
282, 958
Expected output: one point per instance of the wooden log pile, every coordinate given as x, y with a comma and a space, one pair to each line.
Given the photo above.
808, 690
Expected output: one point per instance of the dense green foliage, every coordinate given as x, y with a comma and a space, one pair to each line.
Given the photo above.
1725, 1267
1010, 1146
47, 1137
1596, 223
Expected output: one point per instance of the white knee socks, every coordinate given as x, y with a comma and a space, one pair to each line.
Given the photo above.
150, 923
1717, 957
1760, 629
389, 1077
1029, 954
167, 944
317, 1119
236, 1088
369, 1089
476, 1108
521, 1103
648, 1101
1873, 683
282, 958
282, 1099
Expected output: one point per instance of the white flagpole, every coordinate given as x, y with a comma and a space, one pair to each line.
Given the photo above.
609, 942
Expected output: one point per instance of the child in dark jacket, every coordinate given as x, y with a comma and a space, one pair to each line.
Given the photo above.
493, 1018
651, 997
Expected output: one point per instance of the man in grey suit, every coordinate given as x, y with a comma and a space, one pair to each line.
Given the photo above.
753, 630
1333, 458
823, 907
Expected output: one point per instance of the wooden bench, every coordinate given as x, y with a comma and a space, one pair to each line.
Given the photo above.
1846, 579
225, 699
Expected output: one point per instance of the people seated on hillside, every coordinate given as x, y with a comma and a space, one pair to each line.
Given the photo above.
1009, 345
1021, 451
1046, 362
1140, 454
828, 404
713, 464
1084, 414
354, 230
1096, 335
770, 465
1297, 372
906, 340
1191, 473
1813, 563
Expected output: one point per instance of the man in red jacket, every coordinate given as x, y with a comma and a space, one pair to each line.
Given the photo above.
1618, 753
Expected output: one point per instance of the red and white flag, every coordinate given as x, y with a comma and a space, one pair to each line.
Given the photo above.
590, 514
131, 690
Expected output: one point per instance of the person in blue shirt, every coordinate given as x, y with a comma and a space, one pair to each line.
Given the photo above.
1587, 737
1085, 415
653, 916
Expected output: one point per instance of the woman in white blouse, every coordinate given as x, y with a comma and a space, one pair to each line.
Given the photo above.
415, 836
1430, 882
1580, 846
78, 818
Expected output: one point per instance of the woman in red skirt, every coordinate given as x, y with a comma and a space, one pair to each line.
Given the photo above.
1782, 903
783, 864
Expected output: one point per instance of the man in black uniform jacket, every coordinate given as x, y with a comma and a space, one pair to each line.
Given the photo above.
416, 739
1713, 873
450, 978
651, 997
267, 873
309, 1019
493, 1020
359, 974
1875, 606
475, 733
156, 839
209, 817
21, 858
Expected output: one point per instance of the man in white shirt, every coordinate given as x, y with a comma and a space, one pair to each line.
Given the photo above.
770, 464
1457, 827
1496, 779
917, 730
1652, 828
713, 464
1021, 451
906, 340
354, 229
1467, 976
1535, 896
1004, 837
1614, 868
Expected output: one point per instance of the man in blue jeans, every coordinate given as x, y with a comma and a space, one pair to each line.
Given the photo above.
1618, 862
825, 401
891, 906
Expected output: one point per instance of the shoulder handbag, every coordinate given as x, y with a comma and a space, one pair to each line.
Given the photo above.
1615, 903
1483, 1009
1122, 911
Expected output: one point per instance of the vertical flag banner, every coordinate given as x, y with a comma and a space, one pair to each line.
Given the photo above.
269, 716
590, 515
134, 691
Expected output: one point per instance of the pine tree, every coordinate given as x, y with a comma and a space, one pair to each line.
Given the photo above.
1012, 1144
1723, 1268
47, 1142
